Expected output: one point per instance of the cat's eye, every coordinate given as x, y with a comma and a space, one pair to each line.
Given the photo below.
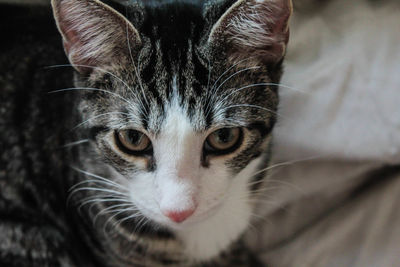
223, 141
132, 141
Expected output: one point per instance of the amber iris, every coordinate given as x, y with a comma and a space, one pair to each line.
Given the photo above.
133, 140
223, 140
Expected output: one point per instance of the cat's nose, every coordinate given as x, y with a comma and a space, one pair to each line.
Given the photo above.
179, 216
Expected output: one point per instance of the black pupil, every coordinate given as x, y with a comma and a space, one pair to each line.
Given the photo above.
135, 137
224, 136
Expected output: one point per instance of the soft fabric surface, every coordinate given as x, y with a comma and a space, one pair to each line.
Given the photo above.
335, 201
345, 57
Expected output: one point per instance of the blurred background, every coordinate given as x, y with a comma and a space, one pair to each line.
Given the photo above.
26, 2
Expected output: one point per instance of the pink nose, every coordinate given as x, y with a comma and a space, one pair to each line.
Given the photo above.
179, 216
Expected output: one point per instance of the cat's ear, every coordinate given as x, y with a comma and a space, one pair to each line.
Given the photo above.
94, 34
255, 28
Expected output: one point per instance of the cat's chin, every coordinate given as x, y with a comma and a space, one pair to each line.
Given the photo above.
207, 237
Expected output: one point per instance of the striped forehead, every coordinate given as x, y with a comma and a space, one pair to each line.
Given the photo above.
175, 109
171, 67
169, 81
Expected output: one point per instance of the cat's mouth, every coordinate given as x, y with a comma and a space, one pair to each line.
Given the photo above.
203, 215
200, 215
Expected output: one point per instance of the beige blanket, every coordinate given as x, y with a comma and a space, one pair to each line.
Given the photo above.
337, 200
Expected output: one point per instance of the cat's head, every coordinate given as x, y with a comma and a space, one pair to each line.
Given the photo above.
180, 100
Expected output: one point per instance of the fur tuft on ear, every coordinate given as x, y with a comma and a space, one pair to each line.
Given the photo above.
93, 33
254, 27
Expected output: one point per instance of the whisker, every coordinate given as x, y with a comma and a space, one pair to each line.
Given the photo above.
135, 215
105, 71
138, 224
254, 85
257, 216
142, 223
251, 195
253, 106
264, 189
296, 187
289, 87
287, 163
233, 75
99, 177
211, 91
242, 88
262, 219
101, 200
209, 73
96, 189
97, 182
230, 68
264, 199
112, 218
98, 116
76, 143
105, 198
90, 89
110, 210
119, 211
92, 67
117, 223
268, 180
135, 68
109, 220
252, 227
256, 182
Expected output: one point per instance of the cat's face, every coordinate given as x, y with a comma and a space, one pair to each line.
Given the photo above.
180, 107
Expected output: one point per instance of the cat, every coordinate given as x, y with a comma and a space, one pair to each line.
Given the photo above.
176, 102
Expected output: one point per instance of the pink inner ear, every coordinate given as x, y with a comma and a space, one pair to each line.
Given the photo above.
270, 34
70, 23
281, 20
67, 46
259, 28
69, 39
74, 46
93, 33
64, 17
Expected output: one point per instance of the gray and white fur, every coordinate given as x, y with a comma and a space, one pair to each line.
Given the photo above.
175, 72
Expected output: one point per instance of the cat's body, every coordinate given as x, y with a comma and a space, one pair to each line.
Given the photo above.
167, 130
34, 227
